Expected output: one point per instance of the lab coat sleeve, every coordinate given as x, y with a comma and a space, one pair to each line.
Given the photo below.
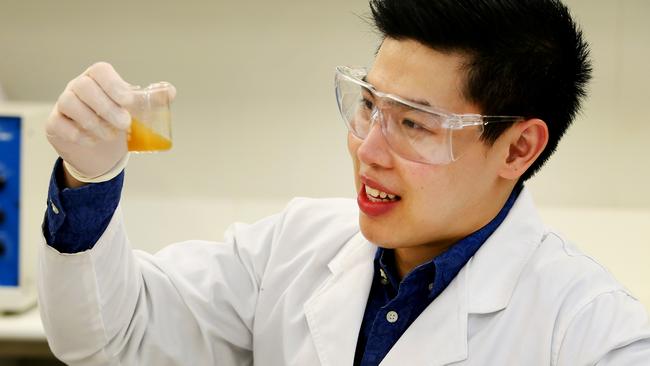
612, 329
193, 303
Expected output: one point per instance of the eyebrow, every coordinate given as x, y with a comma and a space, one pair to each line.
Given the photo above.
417, 101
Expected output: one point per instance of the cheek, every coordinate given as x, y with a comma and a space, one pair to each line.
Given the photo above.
435, 190
353, 146
424, 177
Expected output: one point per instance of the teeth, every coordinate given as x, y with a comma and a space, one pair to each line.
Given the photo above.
376, 195
373, 199
373, 192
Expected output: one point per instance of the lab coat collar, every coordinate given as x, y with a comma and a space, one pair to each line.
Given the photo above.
493, 272
335, 311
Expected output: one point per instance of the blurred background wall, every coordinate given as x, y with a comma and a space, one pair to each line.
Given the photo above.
255, 115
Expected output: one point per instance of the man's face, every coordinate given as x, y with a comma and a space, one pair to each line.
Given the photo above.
439, 204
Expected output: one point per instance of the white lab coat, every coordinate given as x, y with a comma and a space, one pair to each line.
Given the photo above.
292, 289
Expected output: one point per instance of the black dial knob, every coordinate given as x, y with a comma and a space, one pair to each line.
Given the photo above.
3, 182
3, 248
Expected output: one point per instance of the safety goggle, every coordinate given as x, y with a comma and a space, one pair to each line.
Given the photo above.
414, 131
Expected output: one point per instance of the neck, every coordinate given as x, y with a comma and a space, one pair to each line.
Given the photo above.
406, 259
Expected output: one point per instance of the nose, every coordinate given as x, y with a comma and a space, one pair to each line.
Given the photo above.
374, 149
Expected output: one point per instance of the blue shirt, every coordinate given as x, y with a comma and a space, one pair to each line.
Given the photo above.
76, 218
393, 305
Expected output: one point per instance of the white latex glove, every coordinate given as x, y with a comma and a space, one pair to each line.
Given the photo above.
88, 124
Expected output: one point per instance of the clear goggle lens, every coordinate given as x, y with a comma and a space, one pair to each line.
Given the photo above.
416, 133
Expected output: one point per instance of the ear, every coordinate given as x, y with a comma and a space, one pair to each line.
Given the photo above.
527, 140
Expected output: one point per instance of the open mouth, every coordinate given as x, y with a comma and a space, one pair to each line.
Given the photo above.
375, 195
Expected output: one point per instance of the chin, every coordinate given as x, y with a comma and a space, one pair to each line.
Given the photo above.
378, 233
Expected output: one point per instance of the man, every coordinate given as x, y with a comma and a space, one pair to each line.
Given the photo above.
442, 259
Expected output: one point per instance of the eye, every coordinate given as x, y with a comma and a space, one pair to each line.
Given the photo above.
367, 103
411, 125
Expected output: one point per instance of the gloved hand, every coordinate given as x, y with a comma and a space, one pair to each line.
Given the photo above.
88, 124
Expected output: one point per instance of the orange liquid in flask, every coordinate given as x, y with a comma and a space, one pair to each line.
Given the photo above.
143, 138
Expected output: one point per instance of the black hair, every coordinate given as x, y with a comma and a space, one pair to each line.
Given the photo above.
524, 57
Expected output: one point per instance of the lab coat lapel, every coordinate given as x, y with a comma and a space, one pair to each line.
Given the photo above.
335, 311
439, 335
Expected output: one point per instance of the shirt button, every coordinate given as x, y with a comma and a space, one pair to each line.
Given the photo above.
54, 208
392, 316
430, 286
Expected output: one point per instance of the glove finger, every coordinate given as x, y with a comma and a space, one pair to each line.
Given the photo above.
111, 82
92, 95
76, 110
59, 127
